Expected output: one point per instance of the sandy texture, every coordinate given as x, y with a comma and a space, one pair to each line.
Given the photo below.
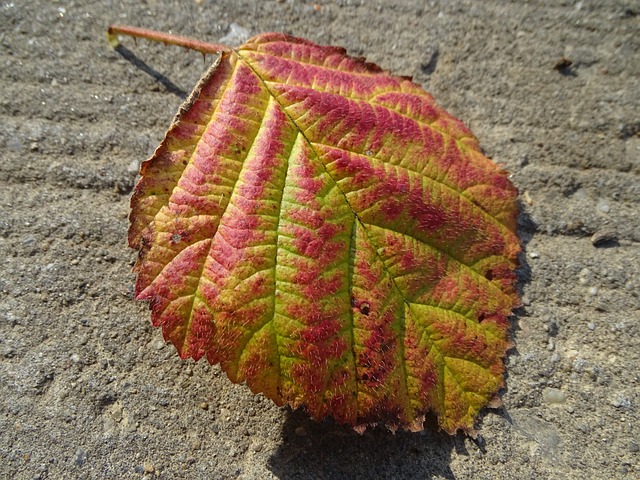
89, 390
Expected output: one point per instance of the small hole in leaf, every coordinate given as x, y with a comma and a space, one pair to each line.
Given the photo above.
489, 275
481, 317
365, 308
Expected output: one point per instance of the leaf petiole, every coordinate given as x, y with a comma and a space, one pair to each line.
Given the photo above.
168, 39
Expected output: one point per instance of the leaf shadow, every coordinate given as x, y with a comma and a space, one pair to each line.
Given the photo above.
326, 450
526, 229
160, 78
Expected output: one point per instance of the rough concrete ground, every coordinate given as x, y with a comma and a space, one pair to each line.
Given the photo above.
89, 390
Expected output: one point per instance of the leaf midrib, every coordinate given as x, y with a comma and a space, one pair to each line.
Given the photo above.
401, 345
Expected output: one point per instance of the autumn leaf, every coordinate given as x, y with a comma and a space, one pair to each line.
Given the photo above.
330, 236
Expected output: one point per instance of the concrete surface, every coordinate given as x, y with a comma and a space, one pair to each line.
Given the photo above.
89, 390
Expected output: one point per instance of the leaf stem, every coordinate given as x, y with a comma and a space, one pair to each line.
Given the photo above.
167, 39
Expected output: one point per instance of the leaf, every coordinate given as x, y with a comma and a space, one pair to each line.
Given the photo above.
331, 237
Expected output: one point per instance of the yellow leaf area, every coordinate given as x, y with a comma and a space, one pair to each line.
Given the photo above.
331, 237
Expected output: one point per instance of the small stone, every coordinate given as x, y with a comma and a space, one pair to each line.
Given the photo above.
29, 241
604, 236
204, 406
585, 276
236, 35
159, 345
79, 457
621, 402
583, 427
257, 446
148, 467
553, 396
591, 326
117, 413
133, 167
633, 447
603, 206
593, 291
579, 364
551, 345
534, 255
131, 425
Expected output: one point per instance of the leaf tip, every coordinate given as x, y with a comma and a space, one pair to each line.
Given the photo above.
360, 429
417, 425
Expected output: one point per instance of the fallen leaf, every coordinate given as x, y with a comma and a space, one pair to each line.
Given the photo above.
330, 236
